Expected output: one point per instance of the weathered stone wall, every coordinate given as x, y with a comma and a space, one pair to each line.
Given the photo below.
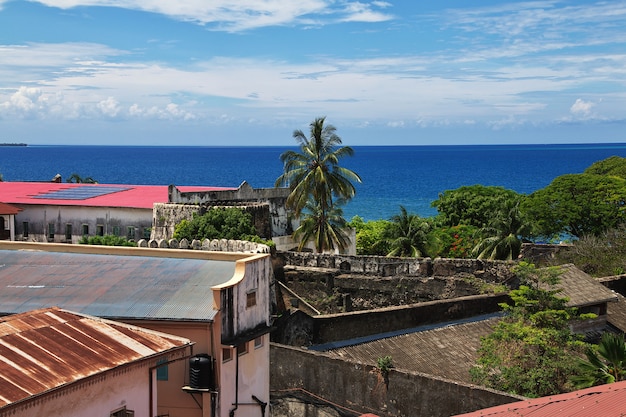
299, 329
278, 220
383, 266
362, 388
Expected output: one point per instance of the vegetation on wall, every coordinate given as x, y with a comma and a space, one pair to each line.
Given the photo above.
218, 223
106, 240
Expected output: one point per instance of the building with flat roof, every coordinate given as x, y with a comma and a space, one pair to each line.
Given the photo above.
218, 300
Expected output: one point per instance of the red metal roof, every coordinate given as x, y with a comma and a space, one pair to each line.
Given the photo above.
114, 195
604, 400
44, 349
8, 209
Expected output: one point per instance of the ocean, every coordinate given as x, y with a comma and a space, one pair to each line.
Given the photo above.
411, 176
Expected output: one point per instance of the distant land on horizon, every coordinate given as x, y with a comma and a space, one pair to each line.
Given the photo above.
13, 144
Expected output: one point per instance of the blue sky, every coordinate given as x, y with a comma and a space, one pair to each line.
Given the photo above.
249, 72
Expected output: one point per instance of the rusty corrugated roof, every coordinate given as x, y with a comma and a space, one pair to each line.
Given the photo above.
111, 286
601, 401
45, 349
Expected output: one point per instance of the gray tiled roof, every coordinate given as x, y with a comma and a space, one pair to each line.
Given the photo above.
447, 352
582, 289
111, 286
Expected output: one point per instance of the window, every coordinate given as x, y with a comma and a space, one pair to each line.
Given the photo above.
25, 226
146, 232
68, 231
162, 371
258, 342
123, 412
99, 230
251, 298
242, 349
50, 230
85, 230
130, 232
227, 354
116, 230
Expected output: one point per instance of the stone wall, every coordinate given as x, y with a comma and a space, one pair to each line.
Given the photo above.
299, 329
383, 266
364, 389
215, 245
278, 220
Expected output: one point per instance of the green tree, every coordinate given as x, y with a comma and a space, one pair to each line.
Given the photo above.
502, 238
577, 205
315, 178
455, 241
218, 223
531, 351
598, 256
472, 205
614, 166
370, 236
408, 235
325, 228
605, 364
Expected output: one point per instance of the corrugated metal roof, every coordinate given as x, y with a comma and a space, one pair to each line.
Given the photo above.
8, 209
111, 286
601, 401
130, 196
44, 349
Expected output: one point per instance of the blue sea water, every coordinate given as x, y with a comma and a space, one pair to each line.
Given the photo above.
411, 176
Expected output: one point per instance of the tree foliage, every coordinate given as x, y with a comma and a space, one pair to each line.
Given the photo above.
218, 223
473, 205
370, 236
531, 351
318, 184
614, 166
408, 235
578, 205
75, 178
326, 229
598, 256
502, 237
605, 364
455, 241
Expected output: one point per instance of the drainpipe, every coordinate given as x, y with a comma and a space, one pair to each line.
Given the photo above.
231, 413
262, 404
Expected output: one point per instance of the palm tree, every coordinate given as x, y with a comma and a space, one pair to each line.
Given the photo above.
314, 172
503, 234
318, 184
604, 366
325, 228
408, 235
80, 180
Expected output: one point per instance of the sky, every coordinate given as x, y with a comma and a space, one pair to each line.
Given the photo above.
250, 72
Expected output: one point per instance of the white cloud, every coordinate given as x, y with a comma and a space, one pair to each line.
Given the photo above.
581, 108
244, 14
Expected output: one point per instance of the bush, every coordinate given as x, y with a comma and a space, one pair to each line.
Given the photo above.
106, 240
218, 223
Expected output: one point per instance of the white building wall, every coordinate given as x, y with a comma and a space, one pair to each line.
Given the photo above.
97, 396
110, 218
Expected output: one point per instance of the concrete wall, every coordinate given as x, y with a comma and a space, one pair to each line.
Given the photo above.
362, 388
